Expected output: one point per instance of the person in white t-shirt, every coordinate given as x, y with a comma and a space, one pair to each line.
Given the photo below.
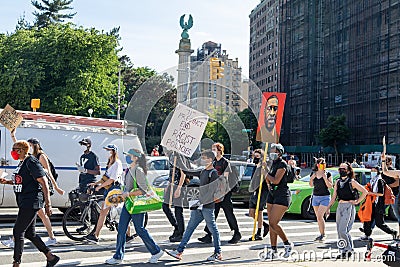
110, 180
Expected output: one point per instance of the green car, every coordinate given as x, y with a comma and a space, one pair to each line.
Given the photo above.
301, 193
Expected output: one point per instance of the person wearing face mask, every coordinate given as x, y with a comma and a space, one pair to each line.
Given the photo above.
135, 175
321, 181
31, 191
111, 180
221, 164
376, 190
254, 188
205, 211
176, 219
278, 200
88, 166
346, 190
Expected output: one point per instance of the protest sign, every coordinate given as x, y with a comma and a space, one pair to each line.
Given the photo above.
10, 118
185, 130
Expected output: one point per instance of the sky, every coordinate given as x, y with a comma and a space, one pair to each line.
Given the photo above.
150, 30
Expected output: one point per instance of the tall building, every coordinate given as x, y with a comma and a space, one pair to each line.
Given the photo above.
227, 92
263, 51
337, 57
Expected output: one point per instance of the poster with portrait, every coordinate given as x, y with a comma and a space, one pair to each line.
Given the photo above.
270, 117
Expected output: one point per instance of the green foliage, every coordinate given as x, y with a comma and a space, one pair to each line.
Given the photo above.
335, 133
49, 12
69, 69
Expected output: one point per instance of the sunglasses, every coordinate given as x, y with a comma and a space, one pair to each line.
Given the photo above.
269, 108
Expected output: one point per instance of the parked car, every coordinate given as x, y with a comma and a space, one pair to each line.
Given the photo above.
301, 192
156, 167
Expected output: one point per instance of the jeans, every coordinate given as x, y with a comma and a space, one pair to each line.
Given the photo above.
227, 206
138, 222
25, 227
196, 217
395, 208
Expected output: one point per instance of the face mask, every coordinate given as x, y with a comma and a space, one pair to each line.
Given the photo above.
203, 162
215, 153
14, 155
273, 156
343, 173
128, 159
256, 160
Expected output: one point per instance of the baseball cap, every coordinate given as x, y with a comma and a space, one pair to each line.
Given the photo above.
132, 152
111, 147
34, 141
85, 141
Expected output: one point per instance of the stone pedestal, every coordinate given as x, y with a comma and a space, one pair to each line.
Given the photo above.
184, 53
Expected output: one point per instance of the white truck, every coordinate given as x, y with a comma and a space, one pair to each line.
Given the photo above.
374, 158
59, 136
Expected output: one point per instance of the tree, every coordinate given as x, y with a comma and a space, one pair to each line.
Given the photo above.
251, 123
69, 69
335, 133
49, 12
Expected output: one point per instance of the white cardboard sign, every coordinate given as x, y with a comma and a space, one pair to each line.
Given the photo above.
185, 130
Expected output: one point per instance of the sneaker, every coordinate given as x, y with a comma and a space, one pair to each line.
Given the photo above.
256, 238
8, 243
288, 250
215, 257
174, 253
174, 234
129, 239
177, 238
364, 238
205, 239
271, 255
154, 258
92, 239
81, 230
50, 242
361, 229
114, 261
266, 229
320, 238
235, 238
53, 262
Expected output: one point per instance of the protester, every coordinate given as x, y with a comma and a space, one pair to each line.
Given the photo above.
205, 210
255, 158
346, 191
88, 166
154, 152
177, 220
321, 181
376, 193
112, 179
297, 173
135, 175
278, 200
254, 188
391, 177
355, 164
36, 151
31, 190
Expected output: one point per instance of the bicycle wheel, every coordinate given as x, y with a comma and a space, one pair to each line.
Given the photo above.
79, 220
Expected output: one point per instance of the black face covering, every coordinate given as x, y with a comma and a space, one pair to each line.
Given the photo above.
343, 173
256, 160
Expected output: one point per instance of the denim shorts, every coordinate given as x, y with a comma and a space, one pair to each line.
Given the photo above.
320, 200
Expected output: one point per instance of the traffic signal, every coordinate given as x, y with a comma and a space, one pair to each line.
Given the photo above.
216, 68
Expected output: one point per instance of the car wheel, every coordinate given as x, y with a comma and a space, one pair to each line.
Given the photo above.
307, 212
192, 193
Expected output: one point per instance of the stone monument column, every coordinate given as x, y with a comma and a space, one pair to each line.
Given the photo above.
184, 53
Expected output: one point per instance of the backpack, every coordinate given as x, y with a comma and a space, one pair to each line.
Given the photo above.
388, 195
221, 186
290, 174
51, 167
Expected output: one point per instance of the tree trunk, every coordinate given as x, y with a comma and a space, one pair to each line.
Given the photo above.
336, 152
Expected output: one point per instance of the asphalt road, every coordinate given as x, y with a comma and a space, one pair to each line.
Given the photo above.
245, 253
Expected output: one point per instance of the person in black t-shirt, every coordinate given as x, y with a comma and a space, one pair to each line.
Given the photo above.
31, 190
88, 166
177, 220
221, 164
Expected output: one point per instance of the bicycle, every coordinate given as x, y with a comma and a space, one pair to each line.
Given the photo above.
81, 218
